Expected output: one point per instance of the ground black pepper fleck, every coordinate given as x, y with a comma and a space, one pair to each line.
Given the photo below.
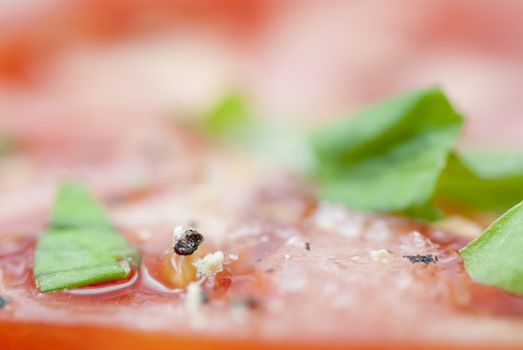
249, 302
188, 244
204, 297
426, 259
3, 302
307, 246
269, 270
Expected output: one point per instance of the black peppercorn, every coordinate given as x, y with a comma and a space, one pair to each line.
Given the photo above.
188, 242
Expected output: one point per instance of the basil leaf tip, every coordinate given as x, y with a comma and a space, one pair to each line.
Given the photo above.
496, 256
80, 246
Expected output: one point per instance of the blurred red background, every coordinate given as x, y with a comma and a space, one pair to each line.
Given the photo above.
74, 72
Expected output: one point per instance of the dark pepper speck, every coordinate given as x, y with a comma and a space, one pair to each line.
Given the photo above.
249, 302
3, 302
425, 259
190, 241
204, 297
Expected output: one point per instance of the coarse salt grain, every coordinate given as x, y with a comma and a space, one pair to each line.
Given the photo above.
209, 264
194, 303
178, 233
193, 300
296, 241
380, 255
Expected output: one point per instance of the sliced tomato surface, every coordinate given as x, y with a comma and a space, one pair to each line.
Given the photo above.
93, 91
296, 271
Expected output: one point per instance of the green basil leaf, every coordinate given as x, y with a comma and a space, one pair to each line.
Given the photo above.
496, 257
229, 116
232, 120
389, 156
80, 247
488, 180
75, 207
8, 144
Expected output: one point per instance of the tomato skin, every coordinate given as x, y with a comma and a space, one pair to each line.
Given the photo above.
33, 336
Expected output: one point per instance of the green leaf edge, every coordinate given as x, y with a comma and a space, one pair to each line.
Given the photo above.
49, 282
425, 210
473, 253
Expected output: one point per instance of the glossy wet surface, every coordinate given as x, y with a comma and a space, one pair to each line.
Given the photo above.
304, 270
